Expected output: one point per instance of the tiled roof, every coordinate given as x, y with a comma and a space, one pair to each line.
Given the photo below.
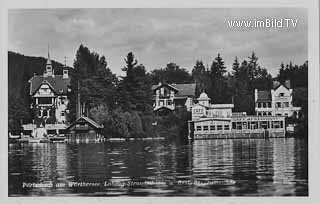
182, 89
90, 121
286, 84
58, 83
264, 96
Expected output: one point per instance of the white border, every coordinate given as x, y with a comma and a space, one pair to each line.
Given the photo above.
313, 54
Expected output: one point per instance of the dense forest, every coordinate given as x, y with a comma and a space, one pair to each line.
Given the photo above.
124, 104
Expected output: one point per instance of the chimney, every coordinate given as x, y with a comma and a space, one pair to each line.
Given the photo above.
65, 73
65, 69
255, 95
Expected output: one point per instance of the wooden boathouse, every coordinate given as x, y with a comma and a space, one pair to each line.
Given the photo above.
84, 130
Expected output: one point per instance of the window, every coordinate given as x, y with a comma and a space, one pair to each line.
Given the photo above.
239, 126
62, 113
198, 128
45, 113
40, 113
264, 124
253, 125
269, 104
264, 105
281, 94
161, 91
259, 105
286, 104
44, 100
169, 102
219, 127
226, 127
212, 127
276, 124
197, 110
205, 127
278, 104
244, 125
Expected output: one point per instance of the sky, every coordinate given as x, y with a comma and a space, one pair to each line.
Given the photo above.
160, 36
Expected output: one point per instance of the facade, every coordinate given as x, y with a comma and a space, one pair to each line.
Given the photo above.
276, 102
171, 96
85, 130
214, 121
49, 96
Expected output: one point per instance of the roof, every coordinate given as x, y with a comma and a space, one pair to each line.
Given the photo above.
286, 84
215, 106
203, 96
92, 122
89, 120
57, 83
264, 96
182, 89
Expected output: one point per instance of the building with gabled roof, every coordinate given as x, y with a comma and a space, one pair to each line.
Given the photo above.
277, 101
49, 99
172, 96
217, 121
84, 129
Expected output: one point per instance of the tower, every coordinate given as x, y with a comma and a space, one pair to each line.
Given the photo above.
49, 70
204, 99
65, 70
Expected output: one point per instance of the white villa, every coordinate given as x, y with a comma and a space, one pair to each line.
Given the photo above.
49, 95
171, 96
276, 102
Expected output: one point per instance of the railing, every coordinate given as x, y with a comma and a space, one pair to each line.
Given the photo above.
48, 126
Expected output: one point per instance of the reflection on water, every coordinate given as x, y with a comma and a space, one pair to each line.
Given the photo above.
205, 167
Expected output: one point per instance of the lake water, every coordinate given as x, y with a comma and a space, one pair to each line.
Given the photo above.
255, 167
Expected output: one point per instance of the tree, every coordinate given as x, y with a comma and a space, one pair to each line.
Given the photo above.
96, 82
217, 89
135, 88
200, 76
172, 73
235, 67
298, 75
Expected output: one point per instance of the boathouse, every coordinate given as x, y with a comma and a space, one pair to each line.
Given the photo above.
84, 130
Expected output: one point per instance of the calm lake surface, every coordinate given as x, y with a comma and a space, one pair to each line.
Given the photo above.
241, 167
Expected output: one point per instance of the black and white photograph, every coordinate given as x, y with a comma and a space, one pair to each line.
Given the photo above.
177, 102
